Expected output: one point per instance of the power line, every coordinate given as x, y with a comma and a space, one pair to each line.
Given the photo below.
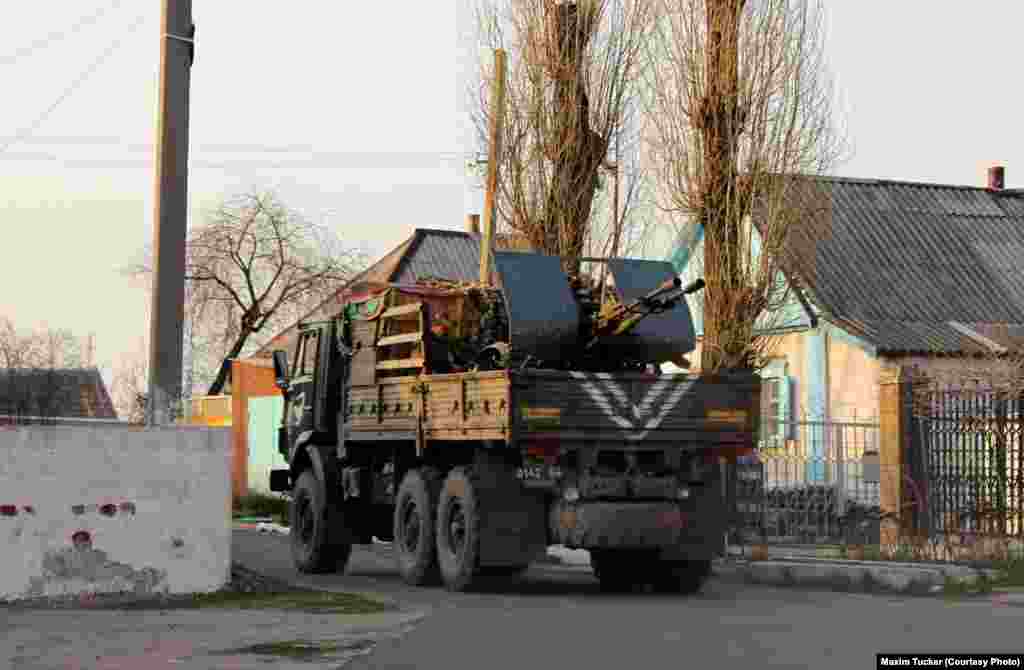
44, 42
316, 150
213, 164
89, 71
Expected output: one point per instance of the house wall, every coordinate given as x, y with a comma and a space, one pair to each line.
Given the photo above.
853, 382
168, 529
249, 379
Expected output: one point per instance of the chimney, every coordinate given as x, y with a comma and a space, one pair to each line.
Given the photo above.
473, 224
997, 178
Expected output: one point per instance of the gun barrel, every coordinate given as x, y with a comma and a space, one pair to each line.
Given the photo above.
694, 286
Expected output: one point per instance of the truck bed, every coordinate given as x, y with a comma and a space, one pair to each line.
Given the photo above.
589, 408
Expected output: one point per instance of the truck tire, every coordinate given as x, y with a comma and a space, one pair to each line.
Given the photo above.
315, 545
414, 518
458, 530
686, 577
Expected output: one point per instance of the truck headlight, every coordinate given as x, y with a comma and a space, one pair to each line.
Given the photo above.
571, 494
683, 492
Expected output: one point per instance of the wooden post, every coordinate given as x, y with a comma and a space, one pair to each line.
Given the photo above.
496, 132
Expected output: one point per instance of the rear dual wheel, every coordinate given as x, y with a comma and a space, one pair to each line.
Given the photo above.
438, 531
414, 527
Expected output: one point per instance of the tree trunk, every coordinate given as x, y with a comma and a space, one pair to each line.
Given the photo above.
222, 375
577, 149
721, 211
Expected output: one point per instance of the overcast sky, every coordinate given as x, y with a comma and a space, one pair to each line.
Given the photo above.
358, 103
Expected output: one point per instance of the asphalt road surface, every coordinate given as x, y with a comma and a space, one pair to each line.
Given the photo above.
556, 617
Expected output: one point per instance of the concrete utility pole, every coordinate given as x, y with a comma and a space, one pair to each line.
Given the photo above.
170, 220
496, 133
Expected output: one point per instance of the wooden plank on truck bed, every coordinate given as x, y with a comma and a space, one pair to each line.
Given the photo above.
403, 338
400, 364
401, 310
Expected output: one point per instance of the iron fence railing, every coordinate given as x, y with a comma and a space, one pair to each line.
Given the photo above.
818, 487
968, 446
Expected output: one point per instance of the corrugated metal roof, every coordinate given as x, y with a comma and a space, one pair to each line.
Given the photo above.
910, 337
442, 254
67, 393
906, 259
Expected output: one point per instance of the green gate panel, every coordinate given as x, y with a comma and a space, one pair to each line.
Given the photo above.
264, 419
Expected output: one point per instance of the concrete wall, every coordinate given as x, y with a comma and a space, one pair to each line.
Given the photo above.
109, 508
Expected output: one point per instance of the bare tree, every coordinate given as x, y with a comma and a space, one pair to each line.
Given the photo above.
250, 267
572, 73
49, 348
18, 349
130, 386
740, 114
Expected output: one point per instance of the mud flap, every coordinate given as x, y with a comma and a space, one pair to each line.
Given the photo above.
514, 532
514, 528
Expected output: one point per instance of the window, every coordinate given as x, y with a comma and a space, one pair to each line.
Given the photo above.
306, 353
771, 401
776, 424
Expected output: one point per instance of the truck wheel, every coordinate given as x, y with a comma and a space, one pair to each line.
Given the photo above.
616, 570
681, 576
313, 549
458, 530
415, 506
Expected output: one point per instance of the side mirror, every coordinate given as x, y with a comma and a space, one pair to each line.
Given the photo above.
281, 370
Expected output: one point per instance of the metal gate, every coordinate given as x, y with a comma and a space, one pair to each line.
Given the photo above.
818, 488
264, 419
969, 449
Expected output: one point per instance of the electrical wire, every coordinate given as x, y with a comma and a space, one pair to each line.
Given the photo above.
81, 79
54, 37
313, 150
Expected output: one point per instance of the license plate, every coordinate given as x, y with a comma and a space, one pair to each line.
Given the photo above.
532, 473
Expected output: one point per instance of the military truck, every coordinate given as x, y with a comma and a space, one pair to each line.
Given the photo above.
475, 426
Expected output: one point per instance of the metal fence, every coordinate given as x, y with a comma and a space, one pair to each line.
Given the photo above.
967, 452
817, 486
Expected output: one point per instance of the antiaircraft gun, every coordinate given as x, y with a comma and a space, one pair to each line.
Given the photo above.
477, 425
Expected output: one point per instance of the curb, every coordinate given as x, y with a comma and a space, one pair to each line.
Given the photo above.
847, 576
844, 576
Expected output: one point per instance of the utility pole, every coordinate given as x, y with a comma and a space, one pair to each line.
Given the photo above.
496, 133
170, 220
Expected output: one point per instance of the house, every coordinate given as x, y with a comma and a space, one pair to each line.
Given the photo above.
64, 393
888, 273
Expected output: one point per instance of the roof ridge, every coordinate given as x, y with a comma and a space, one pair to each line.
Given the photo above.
977, 337
875, 181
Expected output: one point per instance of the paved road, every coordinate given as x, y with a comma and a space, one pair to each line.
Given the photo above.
556, 617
